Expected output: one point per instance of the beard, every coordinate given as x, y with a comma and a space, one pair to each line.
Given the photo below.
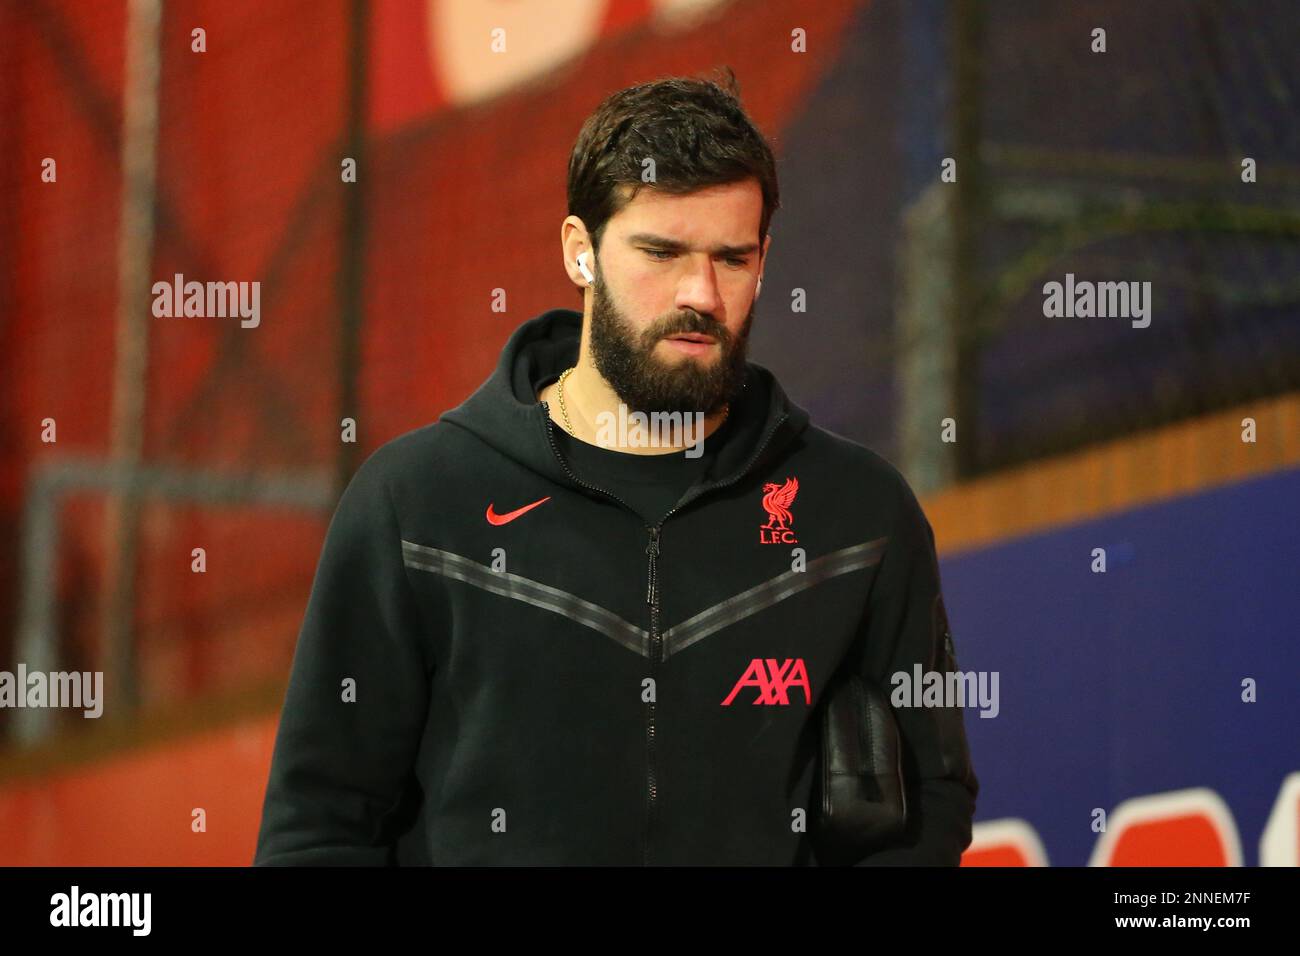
625, 359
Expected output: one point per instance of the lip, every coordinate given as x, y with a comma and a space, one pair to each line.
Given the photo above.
697, 337
691, 347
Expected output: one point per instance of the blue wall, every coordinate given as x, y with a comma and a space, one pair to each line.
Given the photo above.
1129, 683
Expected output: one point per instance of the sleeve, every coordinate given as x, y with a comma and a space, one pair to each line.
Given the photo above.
907, 625
344, 753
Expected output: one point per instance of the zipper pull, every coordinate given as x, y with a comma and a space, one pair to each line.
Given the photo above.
652, 549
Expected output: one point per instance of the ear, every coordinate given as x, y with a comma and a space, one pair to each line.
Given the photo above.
574, 244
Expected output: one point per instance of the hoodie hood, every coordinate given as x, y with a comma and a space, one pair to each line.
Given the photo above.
505, 413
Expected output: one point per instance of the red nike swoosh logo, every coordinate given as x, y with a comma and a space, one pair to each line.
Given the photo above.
494, 518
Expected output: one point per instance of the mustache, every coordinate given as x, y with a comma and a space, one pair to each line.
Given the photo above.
692, 322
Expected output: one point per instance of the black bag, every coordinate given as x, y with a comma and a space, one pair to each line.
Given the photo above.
861, 796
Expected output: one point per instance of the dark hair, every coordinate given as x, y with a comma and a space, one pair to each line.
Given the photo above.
696, 132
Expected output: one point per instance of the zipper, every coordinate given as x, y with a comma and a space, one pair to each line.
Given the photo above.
656, 639
652, 549
652, 781
652, 599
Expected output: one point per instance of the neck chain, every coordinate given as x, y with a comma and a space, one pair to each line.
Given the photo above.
565, 412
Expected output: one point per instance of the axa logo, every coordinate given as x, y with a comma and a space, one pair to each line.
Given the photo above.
776, 502
773, 681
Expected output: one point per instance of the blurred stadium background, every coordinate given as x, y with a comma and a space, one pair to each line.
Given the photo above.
1122, 690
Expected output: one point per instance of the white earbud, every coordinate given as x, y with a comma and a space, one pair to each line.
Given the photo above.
582, 267
758, 289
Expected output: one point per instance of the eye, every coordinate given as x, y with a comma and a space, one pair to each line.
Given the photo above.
732, 260
658, 252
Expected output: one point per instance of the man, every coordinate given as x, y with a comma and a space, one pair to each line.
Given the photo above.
541, 633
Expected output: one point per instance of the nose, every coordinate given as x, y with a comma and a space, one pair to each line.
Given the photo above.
698, 288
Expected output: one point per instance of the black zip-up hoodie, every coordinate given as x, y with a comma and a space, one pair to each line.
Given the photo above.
573, 686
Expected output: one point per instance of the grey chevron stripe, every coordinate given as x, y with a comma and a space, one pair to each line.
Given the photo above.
520, 588
636, 639
761, 596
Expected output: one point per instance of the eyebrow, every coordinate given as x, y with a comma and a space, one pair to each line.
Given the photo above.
673, 245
